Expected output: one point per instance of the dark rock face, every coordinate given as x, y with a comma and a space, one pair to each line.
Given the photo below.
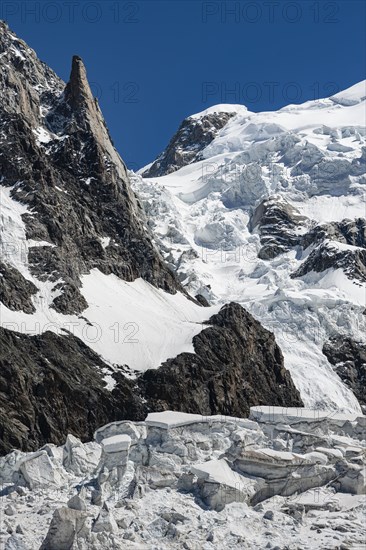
349, 360
73, 178
236, 364
327, 255
280, 227
193, 135
276, 221
202, 300
15, 290
43, 394
352, 232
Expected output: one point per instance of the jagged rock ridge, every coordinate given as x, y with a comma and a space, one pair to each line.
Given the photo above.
61, 163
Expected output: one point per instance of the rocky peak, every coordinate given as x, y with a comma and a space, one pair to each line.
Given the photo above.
77, 91
193, 135
68, 171
84, 106
27, 85
77, 113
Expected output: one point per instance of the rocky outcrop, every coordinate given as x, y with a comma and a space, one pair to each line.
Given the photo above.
68, 171
277, 222
331, 255
349, 360
193, 135
334, 245
236, 364
351, 232
43, 391
15, 290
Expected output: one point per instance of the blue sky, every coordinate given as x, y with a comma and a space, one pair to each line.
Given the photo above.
152, 63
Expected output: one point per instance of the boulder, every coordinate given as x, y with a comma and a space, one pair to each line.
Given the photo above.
105, 521
38, 470
65, 526
79, 458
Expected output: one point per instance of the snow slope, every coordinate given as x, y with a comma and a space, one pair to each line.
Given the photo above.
309, 156
132, 324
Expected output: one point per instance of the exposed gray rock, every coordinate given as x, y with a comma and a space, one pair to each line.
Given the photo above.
276, 221
65, 526
43, 378
223, 377
15, 290
202, 300
349, 360
193, 135
328, 255
220, 378
352, 232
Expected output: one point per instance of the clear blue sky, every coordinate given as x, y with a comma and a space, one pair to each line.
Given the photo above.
152, 63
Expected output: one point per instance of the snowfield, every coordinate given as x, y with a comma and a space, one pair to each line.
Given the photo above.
132, 324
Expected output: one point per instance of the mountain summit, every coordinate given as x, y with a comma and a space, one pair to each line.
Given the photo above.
270, 213
95, 326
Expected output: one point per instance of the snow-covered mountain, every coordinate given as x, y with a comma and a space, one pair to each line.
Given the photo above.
271, 214
145, 316
85, 293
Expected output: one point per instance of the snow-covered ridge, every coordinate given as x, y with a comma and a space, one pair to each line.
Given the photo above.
311, 157
353, 95
286, 477
221, 108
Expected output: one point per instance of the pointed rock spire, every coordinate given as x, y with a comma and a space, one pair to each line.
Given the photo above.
85, 113
77, 91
